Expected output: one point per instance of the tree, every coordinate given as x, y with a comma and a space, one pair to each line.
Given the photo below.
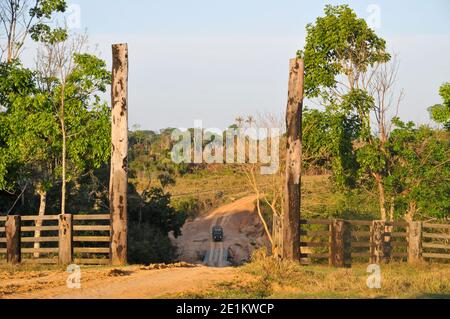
420, 178
73, 80
440, 113
53, 127
340, 46
23, 18
346, 67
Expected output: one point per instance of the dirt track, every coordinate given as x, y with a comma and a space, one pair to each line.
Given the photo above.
129, 282
242, 235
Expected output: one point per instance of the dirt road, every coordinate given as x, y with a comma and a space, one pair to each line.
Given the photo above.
243, 234
105, 283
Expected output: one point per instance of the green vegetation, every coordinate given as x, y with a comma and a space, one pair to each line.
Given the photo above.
405, 165
440, 113
55, 134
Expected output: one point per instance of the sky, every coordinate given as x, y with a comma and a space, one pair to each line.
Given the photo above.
214, 60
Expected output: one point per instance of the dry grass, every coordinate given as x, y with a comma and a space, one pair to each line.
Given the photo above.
274, 278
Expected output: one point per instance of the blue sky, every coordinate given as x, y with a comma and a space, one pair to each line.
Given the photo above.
213, 60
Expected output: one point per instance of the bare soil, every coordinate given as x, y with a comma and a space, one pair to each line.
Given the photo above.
106, 283
243, 233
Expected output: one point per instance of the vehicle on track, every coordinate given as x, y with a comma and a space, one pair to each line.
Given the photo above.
217, 233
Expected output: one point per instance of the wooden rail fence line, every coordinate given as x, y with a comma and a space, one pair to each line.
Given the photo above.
64, 239
341, 242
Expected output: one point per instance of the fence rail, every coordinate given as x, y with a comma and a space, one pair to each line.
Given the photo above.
53, 239
341, 242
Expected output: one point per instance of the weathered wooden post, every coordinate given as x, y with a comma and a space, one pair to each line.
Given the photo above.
119, 158
291, 214
415, 242
12, 228
65, 254
340, 243
377, 242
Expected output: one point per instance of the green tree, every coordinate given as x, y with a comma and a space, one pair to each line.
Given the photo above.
23, 18
440, 113
421, 177
33, 137
340, 44
347, 67
73, 82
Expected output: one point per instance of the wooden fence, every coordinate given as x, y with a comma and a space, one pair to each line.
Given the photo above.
341, 242
63, 239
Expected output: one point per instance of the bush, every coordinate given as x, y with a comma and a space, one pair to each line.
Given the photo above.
147, 245
190, 206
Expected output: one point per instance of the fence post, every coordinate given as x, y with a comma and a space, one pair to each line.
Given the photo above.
415, 242
377, 241
292, 197
65, 255
340, 242
119, 158
13, 255
387, 251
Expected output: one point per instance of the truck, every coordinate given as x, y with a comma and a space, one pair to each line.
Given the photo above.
217, 233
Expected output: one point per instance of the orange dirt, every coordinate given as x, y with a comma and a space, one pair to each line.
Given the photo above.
242, 229
106, 283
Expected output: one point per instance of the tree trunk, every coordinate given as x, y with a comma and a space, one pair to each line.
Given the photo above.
381, 196
412, 209
291, 214
389, 229
38, 223
64, 150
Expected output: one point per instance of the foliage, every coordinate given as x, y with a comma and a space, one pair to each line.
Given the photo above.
421, 176
29, 18
155, 210
149, 158
148, 244
440, 113
190, 206
339, 43
30, 133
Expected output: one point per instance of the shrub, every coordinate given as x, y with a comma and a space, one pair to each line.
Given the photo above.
148, 244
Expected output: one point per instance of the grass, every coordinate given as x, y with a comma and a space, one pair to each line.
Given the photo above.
267, 277
319, 200
30, 267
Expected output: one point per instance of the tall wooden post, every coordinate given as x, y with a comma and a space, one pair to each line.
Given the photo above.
377, 242
65, 254
291, 214
13, 240
415, 242
340, 243
119, 158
